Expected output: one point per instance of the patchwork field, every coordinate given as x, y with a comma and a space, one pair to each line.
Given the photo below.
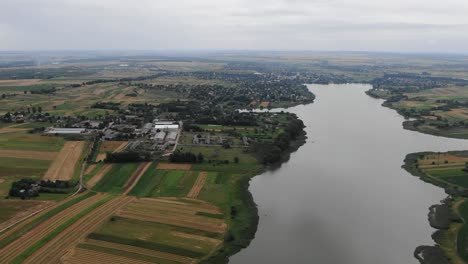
12, 211
168, 230
65, 164
446, 167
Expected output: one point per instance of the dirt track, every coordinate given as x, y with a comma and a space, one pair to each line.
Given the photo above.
28, 154
136, 177
198, 185
64, 165
53, 251
28, 239
98, 176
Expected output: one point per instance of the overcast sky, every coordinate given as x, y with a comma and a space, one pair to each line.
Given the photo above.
364, 25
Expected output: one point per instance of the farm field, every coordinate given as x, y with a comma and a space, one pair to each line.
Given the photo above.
165, 230
110, 146
12, 211
164, 183
16, 247
96, 174
24, 155
116, 178
64, 166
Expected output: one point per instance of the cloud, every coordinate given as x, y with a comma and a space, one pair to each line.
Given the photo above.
385, 25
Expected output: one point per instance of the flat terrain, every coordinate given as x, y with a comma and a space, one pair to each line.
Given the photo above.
65, 164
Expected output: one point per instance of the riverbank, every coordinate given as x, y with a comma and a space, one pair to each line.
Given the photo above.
448, 171
244, 221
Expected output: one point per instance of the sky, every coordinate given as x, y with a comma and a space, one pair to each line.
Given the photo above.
319, 25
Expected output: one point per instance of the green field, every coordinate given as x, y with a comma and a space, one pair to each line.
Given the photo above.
164, 183
116, 178
25, 141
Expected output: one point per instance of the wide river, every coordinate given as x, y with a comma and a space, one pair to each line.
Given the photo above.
343, 196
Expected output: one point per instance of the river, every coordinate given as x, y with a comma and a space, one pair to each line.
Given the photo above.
343, 196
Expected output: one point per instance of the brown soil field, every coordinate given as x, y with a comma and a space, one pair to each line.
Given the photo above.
101, 157
172, 213
96, 178
11, 130
23, 82
27, 154
142, 251
110, 146
173, 166
198, 185
81, 256
24, 209
264, 104
90, 168
28, 239
136, 177
440, 160
53, 251
64, 165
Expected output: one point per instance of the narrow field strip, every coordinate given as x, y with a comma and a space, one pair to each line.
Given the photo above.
90, 168
53, 251
93, 257
28, 154
199, 183
11, 234
64, 165
121, 147
173, 166
136, 177
96, 178
11, 130
141, 251
36, 246
127, 254
47, 225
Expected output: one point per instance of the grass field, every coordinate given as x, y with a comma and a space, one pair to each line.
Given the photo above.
160, 183
115, 179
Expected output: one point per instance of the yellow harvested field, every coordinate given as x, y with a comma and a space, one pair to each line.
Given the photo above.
175, 212
264, 104
28, 154
56, 248
96, 178
173, 166
198, 185
101, 157
64, 165
439, 160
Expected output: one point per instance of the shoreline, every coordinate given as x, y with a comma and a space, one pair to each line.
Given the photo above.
249, 222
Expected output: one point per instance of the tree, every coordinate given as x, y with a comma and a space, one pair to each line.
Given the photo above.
236, 160
3, 96
200, 157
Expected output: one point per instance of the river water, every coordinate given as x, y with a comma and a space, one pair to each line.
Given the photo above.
343, 197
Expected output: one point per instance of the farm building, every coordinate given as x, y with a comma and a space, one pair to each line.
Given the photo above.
167, 127
159, 137
66, 131
171, 136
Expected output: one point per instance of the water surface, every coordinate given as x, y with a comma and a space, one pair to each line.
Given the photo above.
343, 197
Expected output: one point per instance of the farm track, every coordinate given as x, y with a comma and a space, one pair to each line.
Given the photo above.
142, 168
96, 178
121, 147
94, 257
198, 185
64, 165
53, 251
142, 251
25, 213
28, 239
